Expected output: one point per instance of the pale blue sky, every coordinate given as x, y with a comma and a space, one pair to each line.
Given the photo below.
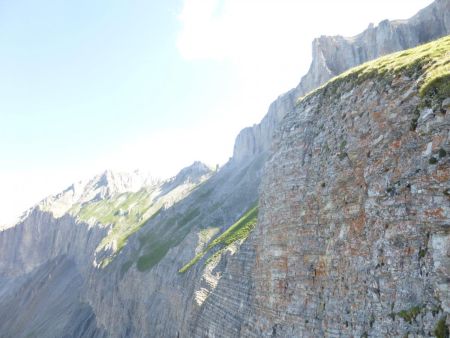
88, 85
80, 77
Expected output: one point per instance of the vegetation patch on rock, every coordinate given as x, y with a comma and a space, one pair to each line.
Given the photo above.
410, 314
441, 330
126, 213
430, 62
239, 231
155, 244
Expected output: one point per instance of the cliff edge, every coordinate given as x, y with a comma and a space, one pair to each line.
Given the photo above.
333, 55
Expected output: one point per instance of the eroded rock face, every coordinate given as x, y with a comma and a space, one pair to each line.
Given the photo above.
44, 264
48, 302
225, 312
256, 140
161, 301
333, 55
41, 237
45, 253
354, 234
353, 238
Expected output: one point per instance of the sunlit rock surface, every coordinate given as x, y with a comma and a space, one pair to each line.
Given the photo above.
333, 55
352, 239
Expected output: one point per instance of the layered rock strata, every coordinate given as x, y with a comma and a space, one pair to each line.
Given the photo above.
333, 55
354, 235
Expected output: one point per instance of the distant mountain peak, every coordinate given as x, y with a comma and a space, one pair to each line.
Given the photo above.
111, 183
102, 186
192, 173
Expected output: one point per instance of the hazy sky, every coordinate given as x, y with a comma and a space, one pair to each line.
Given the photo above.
88, 85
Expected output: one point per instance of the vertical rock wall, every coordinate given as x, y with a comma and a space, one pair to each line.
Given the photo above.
354, 234
333, 55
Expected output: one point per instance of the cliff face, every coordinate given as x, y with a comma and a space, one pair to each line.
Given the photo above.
69, 275
145, 278
333, 55
255, 140
352, 239
44, 262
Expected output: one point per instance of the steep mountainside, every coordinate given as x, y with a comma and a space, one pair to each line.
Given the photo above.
333, 55
354, 236
331, 219
116, 253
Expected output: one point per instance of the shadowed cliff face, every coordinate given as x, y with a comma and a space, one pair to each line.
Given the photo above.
333, 55
47, 302
140, 292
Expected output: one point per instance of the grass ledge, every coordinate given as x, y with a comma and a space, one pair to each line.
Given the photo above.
239, 231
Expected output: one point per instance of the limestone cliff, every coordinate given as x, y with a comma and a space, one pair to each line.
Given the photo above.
332, 55
352, 236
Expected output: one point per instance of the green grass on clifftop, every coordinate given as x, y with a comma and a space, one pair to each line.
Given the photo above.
431, 61
239, 231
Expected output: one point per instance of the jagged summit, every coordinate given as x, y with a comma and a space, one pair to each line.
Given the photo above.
117, 182
110, 183
191, 174
103, 186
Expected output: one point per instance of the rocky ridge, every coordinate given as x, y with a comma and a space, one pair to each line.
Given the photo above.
333, 55
178, 216
101, 187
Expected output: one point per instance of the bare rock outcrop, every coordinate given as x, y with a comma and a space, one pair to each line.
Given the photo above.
333, 55
354, 234
352, 239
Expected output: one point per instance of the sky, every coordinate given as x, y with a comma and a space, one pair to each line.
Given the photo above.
90, 85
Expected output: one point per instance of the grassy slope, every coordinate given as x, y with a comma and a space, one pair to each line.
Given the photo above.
127, 212
432, 60
237, 232
155, 244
